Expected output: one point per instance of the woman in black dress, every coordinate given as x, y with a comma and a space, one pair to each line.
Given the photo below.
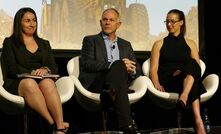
25, 52
175, 66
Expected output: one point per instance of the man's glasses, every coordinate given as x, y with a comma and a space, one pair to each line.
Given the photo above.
172, 22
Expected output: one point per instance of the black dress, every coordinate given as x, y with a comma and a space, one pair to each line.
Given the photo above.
175, 54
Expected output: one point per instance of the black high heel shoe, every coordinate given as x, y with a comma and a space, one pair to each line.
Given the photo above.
55, 130
181, 105
64, 130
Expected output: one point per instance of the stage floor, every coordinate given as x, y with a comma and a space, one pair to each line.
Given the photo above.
214, 130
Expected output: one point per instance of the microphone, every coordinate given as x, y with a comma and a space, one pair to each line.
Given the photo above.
113, 47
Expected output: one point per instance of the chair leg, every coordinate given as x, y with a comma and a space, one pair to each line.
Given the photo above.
25, 123
179, 118
104, 120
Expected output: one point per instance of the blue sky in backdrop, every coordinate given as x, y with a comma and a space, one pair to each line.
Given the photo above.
157, 9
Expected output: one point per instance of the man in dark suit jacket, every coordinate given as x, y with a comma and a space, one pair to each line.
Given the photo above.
108, 63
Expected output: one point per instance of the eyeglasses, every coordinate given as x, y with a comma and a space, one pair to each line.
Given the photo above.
172, 22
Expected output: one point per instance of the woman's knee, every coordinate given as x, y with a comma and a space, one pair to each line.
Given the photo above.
47, 82
47, 86
28, 83
27, 86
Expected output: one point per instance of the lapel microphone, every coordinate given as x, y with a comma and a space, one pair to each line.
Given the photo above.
113, 47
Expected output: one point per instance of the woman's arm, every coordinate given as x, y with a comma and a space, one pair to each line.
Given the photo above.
154, 63
49, 63
10, 59
194, 50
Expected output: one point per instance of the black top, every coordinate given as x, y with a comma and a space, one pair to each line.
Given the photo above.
175, 54
35, 59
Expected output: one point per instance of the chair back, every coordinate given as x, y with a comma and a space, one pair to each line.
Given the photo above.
1, 76
146, 67
73, 66
203, 67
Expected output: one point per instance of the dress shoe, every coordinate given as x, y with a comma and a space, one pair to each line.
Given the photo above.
130, 129
181, 105
107, 98
130, 91
54, 130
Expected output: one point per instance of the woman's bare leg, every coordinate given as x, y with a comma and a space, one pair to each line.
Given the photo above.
53, 102
29, 89
197, 117
187, 86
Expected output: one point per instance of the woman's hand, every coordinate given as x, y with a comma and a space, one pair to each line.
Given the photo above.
159, 87
177, 72
40, 71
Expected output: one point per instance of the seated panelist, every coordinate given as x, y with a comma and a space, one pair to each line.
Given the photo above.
108, 63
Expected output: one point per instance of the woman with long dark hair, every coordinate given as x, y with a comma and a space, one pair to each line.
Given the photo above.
25, 52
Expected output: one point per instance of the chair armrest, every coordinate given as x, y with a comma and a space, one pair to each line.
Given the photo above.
85, 92
211, 83
139, 85
10, 103
173, 97
11, 97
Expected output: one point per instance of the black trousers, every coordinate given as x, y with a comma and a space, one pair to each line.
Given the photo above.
175, 83
116, 78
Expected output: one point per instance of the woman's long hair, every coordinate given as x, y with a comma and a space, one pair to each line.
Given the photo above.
17, 26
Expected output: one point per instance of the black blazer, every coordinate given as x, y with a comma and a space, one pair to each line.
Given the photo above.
14, 59
94, 57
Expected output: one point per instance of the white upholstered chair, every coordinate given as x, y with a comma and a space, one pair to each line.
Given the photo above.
90, 101
168, 100
14, 104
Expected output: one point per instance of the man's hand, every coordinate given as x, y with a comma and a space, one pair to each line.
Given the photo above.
130, 65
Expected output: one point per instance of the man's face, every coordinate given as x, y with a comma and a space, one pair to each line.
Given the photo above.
173, 23
110, 22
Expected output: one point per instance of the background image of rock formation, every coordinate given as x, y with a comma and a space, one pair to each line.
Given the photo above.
5, 26
66, 22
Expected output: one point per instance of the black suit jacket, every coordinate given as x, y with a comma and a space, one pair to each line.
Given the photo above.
94, 57
14, 59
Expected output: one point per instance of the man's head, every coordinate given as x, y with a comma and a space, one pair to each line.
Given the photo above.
110, 21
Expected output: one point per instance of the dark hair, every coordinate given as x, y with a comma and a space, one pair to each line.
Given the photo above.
181, 17
17, 26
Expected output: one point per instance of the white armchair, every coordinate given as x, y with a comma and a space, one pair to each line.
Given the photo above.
89, 100
168, 99
14, 104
